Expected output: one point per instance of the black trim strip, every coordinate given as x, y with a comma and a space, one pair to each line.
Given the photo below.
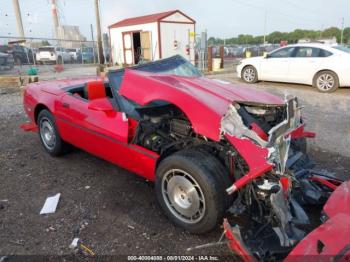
342, 253
106, 137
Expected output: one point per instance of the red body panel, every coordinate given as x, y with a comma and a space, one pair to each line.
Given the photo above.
203, 101
102, 134
337, 209
339, 201
255, 157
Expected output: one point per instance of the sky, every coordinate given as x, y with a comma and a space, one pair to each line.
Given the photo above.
221, 18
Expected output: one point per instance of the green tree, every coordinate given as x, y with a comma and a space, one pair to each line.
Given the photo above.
291, 37
45, 43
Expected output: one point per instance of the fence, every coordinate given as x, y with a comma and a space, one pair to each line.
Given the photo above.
35, 51
231, 54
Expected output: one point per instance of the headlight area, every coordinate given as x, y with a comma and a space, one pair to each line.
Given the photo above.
261, 134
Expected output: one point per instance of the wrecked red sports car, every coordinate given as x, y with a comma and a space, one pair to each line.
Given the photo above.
209, 146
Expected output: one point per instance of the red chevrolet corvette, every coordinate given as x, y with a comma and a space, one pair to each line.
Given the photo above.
210, 147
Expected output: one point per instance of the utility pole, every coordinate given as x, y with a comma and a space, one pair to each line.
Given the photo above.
55, 18
18, 18
265, 21
93, 42
98, 31
342, 31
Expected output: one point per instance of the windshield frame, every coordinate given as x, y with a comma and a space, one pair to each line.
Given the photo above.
115, 78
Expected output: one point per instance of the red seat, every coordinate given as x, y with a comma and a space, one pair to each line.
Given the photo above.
95, 90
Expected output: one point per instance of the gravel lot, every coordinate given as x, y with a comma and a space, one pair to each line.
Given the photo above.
111, 210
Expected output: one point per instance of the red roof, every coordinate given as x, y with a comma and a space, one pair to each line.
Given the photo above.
146, 19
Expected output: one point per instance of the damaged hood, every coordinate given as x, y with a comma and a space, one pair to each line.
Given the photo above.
203, 101
224, 90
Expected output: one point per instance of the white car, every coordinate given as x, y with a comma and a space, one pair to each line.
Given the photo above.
73, 53
53, 54
321, 66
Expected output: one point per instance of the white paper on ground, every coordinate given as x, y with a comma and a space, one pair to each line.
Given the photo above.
74, 243
50, 204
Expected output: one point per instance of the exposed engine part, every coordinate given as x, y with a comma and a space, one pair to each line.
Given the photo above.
153, 142
180, 127
157, 131
156, 119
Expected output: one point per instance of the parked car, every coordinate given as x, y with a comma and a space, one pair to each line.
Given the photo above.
6, 61
324, 67
21, 54
207, 144
51, 54
74, 52
88, 55
344, 48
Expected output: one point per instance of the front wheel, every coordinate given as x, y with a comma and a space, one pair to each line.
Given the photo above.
249, 74
191, 190
49, 136
326, 82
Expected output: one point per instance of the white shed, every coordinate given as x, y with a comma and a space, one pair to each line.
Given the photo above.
151, 37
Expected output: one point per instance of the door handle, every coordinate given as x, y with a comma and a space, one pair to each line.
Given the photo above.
65, 105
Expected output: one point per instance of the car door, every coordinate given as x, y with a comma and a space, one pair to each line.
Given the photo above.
89, 129
305, 64
104, 134
275, 66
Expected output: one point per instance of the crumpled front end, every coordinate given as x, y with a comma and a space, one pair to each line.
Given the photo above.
263, 148
270, 196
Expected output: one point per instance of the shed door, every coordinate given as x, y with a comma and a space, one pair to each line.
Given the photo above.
128, 53
146, 45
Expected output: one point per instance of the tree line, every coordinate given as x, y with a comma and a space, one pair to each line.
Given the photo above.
276, 37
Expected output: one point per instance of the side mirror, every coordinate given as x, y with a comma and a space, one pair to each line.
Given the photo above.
101, 104
266, 55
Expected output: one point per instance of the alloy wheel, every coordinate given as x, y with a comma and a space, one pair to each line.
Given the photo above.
325, 82
249, 75
183, 196
47, 133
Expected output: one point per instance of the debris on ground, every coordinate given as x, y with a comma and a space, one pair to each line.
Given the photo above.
17, 242
87, 250
76, 244
50, 204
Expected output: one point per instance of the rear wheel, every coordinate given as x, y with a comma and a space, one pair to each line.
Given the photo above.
249, 74
49, 136
326, 81
191, 191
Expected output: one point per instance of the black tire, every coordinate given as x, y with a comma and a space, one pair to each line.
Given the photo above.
58, 146
207, 173
249, 74
326, 81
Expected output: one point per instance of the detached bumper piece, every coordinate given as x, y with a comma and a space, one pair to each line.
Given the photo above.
29, 127
328, 242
